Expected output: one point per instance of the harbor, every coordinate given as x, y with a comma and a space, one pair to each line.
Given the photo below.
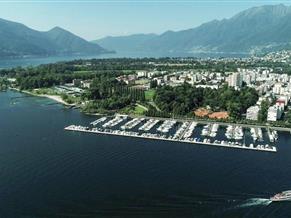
213, 134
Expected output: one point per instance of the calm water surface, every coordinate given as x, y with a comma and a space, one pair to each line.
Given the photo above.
47, 172
25, 62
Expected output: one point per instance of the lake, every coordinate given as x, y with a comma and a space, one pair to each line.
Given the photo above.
48, 172
25, 62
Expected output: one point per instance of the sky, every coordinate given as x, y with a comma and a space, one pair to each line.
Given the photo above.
94, 19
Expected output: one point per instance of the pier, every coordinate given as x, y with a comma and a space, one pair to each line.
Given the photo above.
188, 133
102, 119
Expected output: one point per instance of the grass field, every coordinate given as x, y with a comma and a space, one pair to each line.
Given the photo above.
142, 81
149, 94
133, 109
139, 110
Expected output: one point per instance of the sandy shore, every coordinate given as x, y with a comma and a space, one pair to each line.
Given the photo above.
56, 98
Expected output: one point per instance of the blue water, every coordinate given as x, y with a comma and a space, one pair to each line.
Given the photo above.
48, 172
25, 62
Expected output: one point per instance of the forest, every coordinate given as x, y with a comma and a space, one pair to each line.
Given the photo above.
183, 99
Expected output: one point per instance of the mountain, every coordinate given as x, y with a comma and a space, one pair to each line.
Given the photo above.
254, 30
17, 40
125, 43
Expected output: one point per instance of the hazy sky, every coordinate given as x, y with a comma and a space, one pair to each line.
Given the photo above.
94, 19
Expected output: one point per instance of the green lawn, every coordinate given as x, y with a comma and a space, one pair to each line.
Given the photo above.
139, 110
149, 94
141, 81
45, 91
133, 109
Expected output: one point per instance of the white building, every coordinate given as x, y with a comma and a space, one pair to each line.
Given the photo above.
253, 113
234, 80
86, 84
274, 113
277, 89
142, 74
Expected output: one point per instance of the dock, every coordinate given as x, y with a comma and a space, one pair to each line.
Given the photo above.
188, 133
102, 119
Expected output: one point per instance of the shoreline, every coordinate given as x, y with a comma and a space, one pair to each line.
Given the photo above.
61, 101
56, 98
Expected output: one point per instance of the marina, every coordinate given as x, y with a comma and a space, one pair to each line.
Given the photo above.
232, 136
132, 123
114, 122
166, 126
148, 125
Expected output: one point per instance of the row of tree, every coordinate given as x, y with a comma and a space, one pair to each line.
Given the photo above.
109, 94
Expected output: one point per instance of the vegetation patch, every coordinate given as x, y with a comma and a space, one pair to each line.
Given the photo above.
149, 94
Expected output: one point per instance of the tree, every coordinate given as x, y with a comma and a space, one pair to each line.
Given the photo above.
153, 84
263, 113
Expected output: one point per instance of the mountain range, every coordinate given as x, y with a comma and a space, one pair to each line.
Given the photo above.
18, 40
255, 30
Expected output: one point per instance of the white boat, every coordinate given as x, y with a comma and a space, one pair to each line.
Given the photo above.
283, 196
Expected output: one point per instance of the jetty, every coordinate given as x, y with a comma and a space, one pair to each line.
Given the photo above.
100, 120
189, 131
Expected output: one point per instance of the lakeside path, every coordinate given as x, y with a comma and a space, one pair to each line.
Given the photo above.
56, 98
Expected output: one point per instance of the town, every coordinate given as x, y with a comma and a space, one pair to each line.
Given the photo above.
146, 87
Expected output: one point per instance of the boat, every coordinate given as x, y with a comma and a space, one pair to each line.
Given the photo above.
283, 196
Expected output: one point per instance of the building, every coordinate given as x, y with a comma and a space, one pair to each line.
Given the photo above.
274, 113
253, 113
86, 84
160, 81
141, 74
127, 79
77, 82
282, 101
277, 89
234, 80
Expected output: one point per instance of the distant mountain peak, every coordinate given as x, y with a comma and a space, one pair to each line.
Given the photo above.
278, 10
252, 30
57, 28
18, 40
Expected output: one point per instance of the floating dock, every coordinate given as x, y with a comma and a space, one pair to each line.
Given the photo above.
102, 119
